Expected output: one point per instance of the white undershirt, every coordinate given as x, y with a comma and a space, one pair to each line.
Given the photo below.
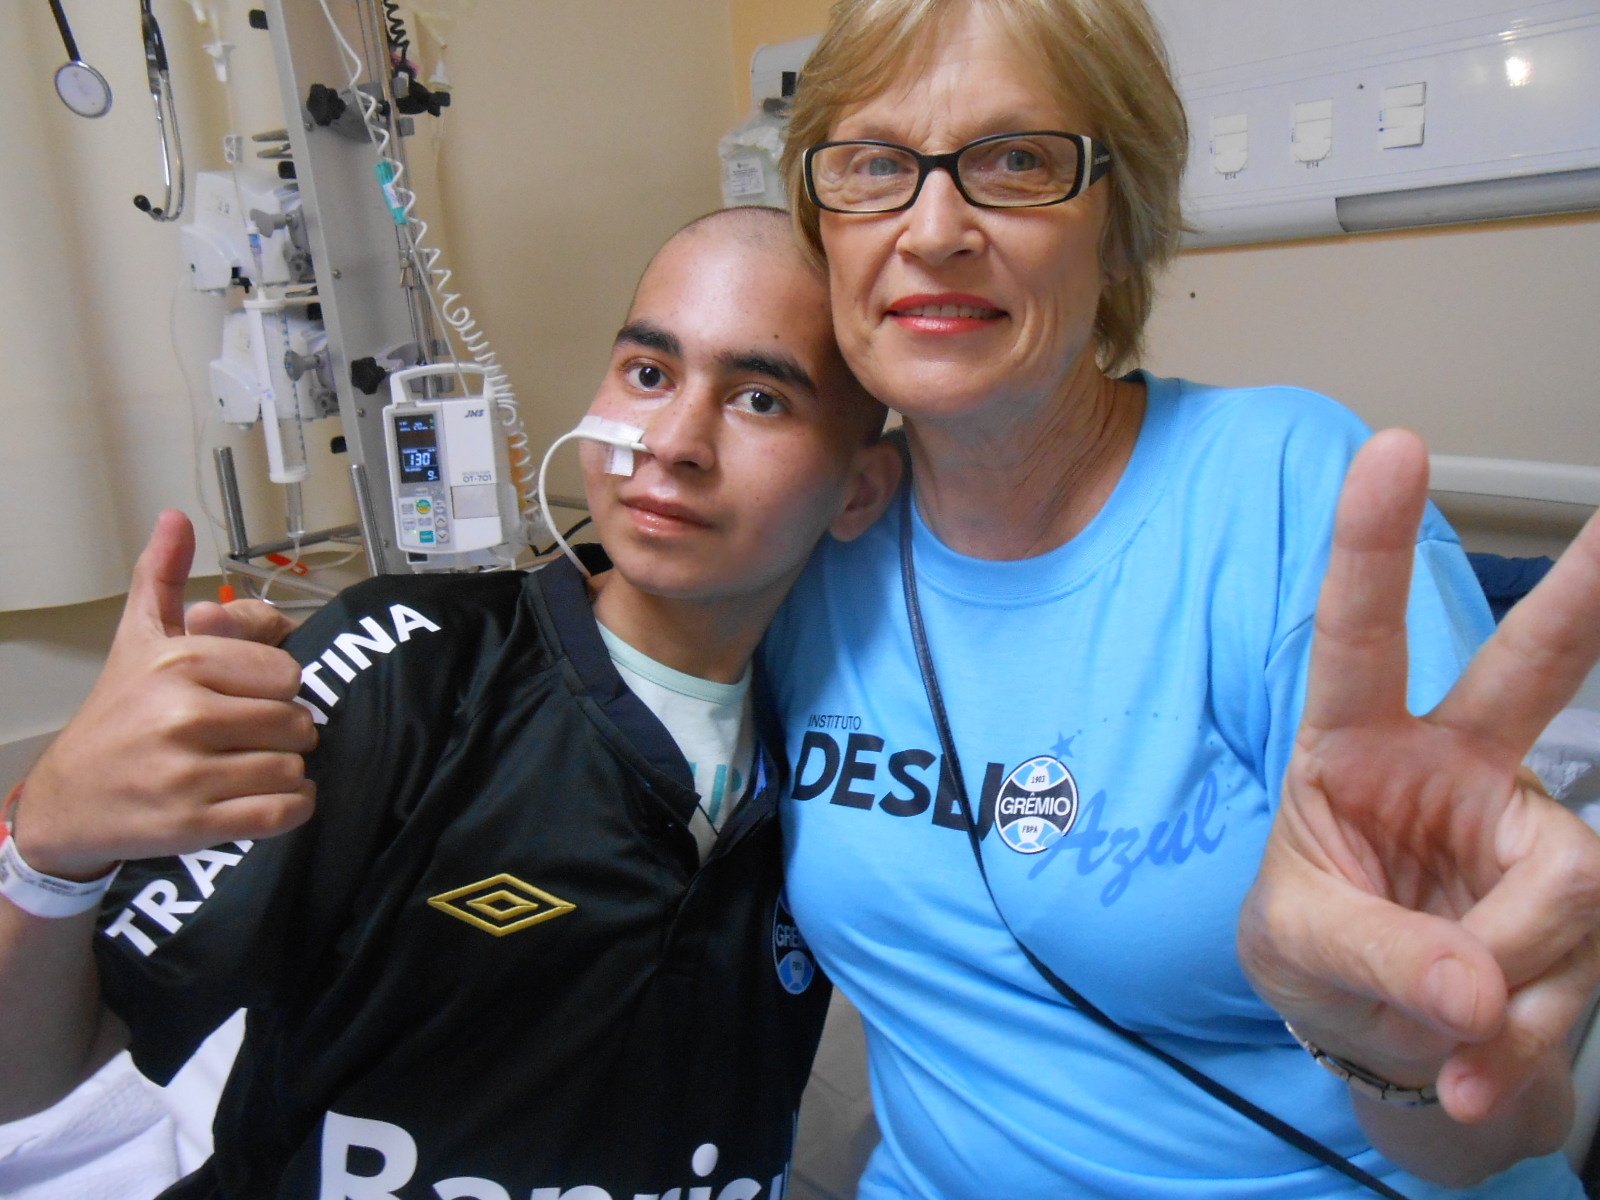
711, 722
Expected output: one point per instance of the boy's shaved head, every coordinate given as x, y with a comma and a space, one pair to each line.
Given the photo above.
767, 231
757, 226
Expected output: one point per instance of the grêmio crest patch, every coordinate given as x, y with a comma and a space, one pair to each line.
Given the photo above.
1037, 805
791, 957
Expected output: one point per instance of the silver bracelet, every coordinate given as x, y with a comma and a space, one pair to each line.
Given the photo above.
1364, 1081
33, 891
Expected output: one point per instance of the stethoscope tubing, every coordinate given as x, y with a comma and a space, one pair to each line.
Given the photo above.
66, 33
160, 79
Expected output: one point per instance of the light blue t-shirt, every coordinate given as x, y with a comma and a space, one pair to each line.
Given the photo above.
1126, 703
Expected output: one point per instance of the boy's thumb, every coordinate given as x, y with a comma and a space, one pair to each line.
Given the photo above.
155, 599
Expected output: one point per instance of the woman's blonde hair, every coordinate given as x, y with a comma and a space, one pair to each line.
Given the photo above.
1104, 58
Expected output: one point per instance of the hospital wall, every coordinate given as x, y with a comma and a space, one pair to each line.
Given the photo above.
580, 136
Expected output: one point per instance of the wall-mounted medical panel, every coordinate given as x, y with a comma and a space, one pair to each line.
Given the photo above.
1316, 119
770, 63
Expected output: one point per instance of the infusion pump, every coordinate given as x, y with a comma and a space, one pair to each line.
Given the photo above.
449, 470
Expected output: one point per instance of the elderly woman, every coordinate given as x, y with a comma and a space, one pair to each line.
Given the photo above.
1195, 820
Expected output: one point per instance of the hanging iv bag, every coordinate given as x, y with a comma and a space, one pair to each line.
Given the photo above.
750, 153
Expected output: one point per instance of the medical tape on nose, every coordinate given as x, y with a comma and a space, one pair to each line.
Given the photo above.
623, 439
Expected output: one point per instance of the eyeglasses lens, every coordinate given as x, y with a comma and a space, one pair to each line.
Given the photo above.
1021, 171
860, 177
1009, 172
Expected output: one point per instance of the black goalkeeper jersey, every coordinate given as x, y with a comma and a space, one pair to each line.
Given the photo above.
491, 965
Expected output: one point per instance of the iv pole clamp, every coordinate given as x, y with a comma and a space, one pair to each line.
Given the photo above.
155, 65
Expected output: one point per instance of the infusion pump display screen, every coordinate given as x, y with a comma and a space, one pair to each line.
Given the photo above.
417, 440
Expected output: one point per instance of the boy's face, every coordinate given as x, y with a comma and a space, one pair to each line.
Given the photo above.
728, 364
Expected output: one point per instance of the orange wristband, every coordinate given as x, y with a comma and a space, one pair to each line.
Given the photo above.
10, 803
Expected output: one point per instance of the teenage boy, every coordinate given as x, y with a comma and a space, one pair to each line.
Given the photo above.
515, 952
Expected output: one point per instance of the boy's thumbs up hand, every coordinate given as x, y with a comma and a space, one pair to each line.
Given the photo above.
187, 739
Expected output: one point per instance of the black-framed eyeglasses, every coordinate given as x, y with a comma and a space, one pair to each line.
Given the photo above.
1005, 170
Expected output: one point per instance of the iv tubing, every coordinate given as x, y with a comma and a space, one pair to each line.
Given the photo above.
446, 306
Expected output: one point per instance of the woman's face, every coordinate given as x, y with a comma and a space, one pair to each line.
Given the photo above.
946, 310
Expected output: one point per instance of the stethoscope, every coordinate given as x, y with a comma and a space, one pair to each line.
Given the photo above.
86, 92
155, 66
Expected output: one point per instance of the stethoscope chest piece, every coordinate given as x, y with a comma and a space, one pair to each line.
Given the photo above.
83, 89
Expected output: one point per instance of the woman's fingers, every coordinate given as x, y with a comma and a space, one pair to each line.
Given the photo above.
1546, 903
1328, 955
1541, 921
1540, 1018
1359, 655
1537, 658
1486, 993
1490, 996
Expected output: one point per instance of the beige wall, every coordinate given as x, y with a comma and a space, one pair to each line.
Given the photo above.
1480, 337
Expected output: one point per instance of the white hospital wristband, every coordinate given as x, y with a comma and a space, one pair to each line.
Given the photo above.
45, 895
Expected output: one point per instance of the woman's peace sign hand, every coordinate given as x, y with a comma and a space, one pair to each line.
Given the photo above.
1423, 908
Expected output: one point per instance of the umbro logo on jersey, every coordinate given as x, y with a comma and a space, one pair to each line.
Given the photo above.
501, 904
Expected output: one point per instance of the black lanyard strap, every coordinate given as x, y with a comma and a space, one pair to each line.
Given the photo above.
951, 770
